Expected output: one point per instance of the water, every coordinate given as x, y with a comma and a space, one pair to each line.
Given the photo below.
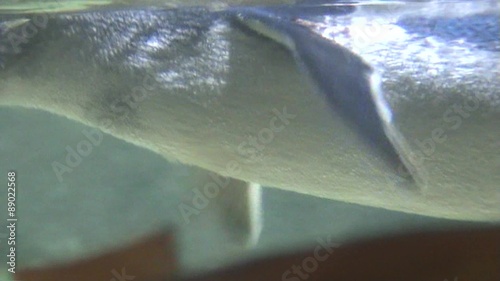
77, 5
120, 191
97, 207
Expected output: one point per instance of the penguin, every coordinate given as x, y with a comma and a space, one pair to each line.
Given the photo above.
295, 97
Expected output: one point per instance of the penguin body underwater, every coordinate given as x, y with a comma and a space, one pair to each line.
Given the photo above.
257, 95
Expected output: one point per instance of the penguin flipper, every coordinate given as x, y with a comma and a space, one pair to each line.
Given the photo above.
349, 85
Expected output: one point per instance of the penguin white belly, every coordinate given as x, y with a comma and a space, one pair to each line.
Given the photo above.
244, 110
